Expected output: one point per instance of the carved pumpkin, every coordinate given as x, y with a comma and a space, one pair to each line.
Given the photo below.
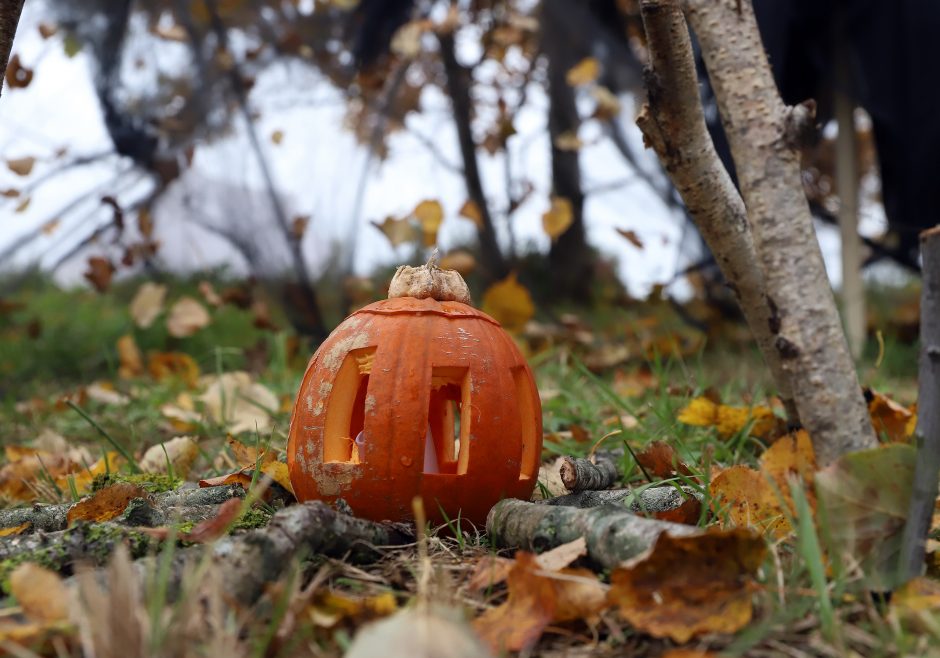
417, 396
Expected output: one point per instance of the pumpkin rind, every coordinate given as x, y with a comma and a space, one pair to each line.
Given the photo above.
405, 346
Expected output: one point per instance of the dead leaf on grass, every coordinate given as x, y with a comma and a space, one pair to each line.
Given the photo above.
147, 304
728, 420
688, 586
40, 592
232, 399
186, 317
178, 454
108, 503
661, 460
164, 365
438, 631
890, 418
129, 357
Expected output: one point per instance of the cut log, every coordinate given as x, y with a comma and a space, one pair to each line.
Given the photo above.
580, 474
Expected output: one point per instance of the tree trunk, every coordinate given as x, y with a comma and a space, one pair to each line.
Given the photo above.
570, 258
927, 434
673, 123
764, 135
9, 19
458, 88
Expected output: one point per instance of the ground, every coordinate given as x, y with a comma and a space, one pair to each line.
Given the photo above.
615, 379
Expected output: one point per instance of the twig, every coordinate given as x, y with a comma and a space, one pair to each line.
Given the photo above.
584, 474
927, 433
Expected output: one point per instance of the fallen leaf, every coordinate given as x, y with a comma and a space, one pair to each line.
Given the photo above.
865, 497
421, 631
209, 294
83, 479
894, 420
240, 404
99, 273
106, 504
728, 420
558, 218
21, 166
549, 479
584, 72
430, 216
328, 609
178, 453
398, 231
509, 303
493, 570
212, 529
104, 392
659, 459
12, 531
147, 304
40, 592
163, 365
186, 317
490, 571
129, 357
631, 237
250, 456
688, 586
472, 211
915, 604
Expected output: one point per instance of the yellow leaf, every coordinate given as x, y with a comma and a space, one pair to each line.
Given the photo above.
430, 215
398, 231
583, 72
278, 472
277, 137
472, 211
558, 218
12, 531
728, 420
162, 365
509, 303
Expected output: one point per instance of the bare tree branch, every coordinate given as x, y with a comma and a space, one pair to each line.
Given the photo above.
9, 18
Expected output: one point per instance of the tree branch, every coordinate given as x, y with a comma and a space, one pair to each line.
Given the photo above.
9, 19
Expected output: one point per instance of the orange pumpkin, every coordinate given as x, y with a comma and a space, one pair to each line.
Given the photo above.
412, 397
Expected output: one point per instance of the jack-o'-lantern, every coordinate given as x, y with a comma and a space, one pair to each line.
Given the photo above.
417, 395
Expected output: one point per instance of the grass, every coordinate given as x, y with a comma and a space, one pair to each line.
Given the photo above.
804, 603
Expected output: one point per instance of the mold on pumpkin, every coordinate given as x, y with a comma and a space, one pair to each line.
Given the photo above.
417, 396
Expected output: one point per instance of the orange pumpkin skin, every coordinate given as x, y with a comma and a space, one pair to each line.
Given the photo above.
399, 370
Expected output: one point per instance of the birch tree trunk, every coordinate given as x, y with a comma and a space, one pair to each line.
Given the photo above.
764, 135
673, 124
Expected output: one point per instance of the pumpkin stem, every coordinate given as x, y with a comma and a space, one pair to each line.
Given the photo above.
434, 260
429, 281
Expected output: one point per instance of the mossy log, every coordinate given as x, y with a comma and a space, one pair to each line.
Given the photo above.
612, 533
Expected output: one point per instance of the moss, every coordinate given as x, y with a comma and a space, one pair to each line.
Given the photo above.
253, 518
52, 557
150, 482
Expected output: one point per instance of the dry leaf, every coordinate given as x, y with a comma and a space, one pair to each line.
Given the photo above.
129, 356
277, 137
162, 365
472, 211
234, 400
509, 303
298, 227
186, 317
104, 392
430, 215
493, 570
421, 631
558, 218
12, 531
328, 609
178, 453
728, 420
40, 592
212, 529
490, 571
632, 237
21, 166
147, 304
398, 231
688, 586
18, 76
584, 72
895, 421
460, 260
659, 459
608, 105
106, 504
99, 273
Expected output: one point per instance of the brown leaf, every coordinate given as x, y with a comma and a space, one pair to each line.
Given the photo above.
178, 453
18, 76
162, 365
186, 317
277, 137
23, 205
47, 30
688, 586
99, 273
460, 260
212, 529
661, 460
632, 237
299, 226
21, 166
105, 504
490, 571
40, 592
398, 231
688, 513
209, 294
249, 456
894, 420
558, 218
472, 211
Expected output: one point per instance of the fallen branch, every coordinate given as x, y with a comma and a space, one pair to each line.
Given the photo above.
612, 534
580, 474
927, 433
651, 499
184, 504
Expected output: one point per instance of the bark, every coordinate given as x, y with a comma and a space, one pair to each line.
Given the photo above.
673, 123
927, 433
190, 504
9, 19
570, 258
583, 474
458, 88
764, 135
651, 499
612, 533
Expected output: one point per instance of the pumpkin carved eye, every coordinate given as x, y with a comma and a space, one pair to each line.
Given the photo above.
346, 406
